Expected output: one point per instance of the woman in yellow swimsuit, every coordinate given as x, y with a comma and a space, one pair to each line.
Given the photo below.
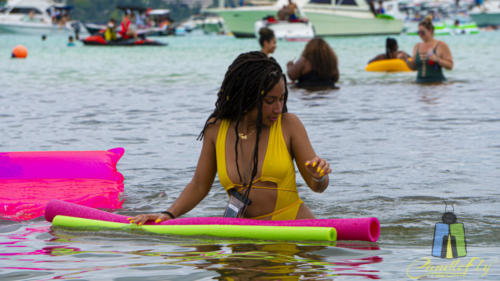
250, 141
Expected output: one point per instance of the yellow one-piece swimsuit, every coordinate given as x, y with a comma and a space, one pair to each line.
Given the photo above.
277, 168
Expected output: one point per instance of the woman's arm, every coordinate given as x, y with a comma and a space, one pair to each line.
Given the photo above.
295, 70
443, 56
199, 186
411, 63
378, 57
313, 169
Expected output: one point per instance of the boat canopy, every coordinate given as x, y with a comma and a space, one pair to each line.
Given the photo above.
337, 2
138, 8
158, 12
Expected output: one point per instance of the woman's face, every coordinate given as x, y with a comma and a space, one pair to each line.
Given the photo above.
270, 46
424, 33
272, 104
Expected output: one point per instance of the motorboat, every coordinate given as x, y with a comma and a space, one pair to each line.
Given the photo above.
348, 18
159, 23
448, 17
487, 14
298, 30
151, 22
38, 17
328, 17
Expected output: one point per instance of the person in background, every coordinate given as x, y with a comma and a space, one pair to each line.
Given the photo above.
317, 66
126, 31
44, 37
267, 40
283, 14
391, 51
30, 17
251, 141
71, 42
292, 11
430, 55
140, 20
380, 9
110, 33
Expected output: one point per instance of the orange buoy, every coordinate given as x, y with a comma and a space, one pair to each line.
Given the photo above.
20, 52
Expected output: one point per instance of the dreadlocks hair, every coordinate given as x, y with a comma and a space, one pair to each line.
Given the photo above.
247, 81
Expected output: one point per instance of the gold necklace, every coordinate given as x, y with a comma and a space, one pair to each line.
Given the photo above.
245, 136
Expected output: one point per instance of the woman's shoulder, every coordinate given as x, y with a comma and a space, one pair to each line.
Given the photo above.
290, 119
212, 128
440, 43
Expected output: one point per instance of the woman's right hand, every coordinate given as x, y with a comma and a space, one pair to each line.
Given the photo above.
143, 218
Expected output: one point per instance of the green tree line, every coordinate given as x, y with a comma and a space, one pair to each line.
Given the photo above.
100, 11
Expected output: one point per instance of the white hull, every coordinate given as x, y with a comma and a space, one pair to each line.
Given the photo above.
327, 20
35, 29
287, 30
487, 15
33, 17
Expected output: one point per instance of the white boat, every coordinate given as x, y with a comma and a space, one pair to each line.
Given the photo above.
449, 19
34, 17
329, 17
287, 30
486, 15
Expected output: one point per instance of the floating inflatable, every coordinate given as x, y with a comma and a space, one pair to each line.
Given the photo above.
20, 52
28, 180
98, 40
391, 65
360, 229
282, 233
452, 29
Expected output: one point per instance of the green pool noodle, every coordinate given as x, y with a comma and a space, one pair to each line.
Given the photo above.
282, 233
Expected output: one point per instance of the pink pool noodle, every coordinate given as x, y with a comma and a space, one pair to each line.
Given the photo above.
361, 229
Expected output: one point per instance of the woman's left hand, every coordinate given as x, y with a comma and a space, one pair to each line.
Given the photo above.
318, 167
433, 57
144, 218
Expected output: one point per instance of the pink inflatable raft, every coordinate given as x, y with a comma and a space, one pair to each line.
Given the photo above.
360, 229
28, 180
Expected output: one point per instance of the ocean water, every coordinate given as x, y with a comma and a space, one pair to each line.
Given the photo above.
398, 151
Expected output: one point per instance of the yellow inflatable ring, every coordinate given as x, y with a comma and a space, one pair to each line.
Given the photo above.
391, 65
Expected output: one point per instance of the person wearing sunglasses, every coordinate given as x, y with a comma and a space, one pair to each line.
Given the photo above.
430, 55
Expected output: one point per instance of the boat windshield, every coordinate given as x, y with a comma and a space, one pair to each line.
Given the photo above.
25, 10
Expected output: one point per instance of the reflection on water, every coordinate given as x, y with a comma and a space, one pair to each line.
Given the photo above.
277, 261
73, 255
